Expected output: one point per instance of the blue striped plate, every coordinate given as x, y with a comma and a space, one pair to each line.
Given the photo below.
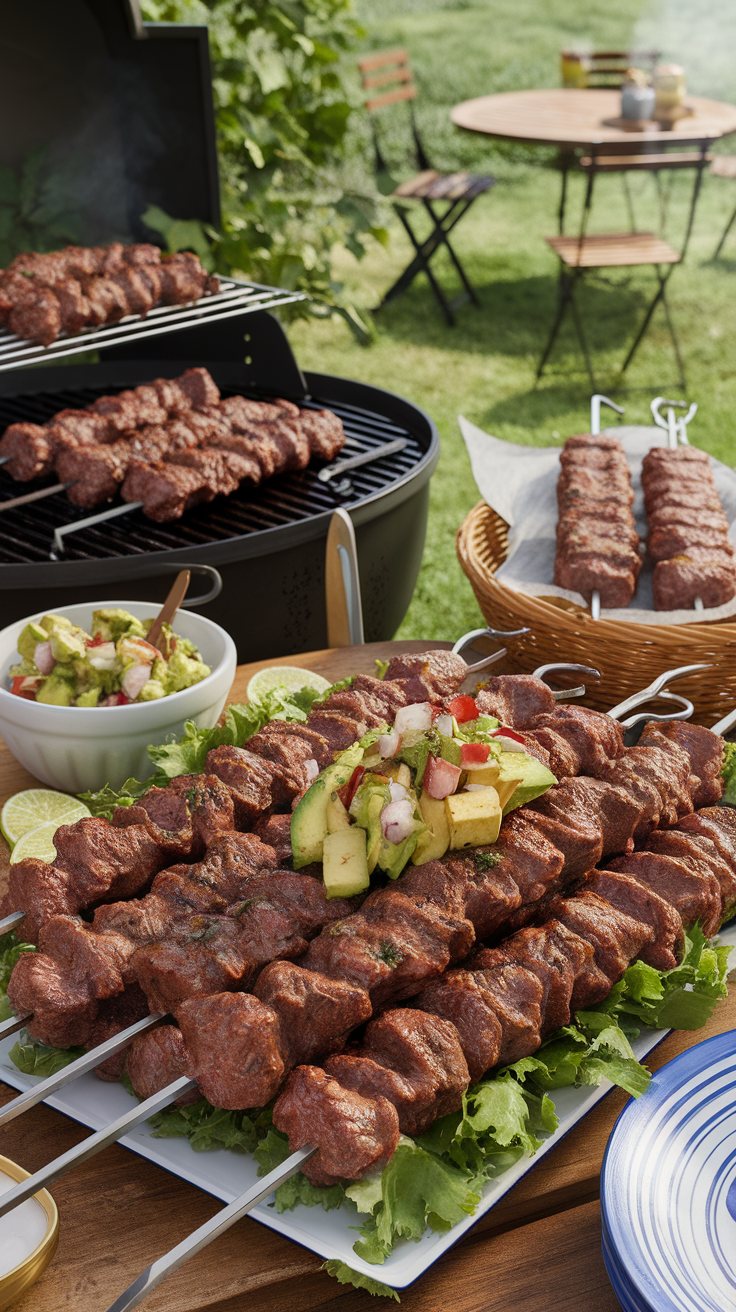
668, 1187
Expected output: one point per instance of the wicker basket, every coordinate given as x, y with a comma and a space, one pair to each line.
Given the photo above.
629, 656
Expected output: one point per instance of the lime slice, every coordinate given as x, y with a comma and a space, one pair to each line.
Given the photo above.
38, 843
37, 806
284, 676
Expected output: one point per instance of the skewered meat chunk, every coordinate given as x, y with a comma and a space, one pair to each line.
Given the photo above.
63, 1010
616, 810
695, 850
248, 779
528, 857
562, 759
316, 1013
115, 1015
354, 1134
323, 431
40, 890
460, 998
433, 676
29, 451
490, 885
155, 1060
688, 884
414, 1060
596, 739
557, 957
664, 542
517, 700
664, 951
616, 938
107, 863
182, 278
165, 490
688, 531
94, 474
35, 313
517, 1000
232, 1043
268, 742
678, 582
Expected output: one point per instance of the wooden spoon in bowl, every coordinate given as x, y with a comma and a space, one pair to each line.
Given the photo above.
170, 606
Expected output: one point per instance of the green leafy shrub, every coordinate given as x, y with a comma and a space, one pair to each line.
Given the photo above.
282, 105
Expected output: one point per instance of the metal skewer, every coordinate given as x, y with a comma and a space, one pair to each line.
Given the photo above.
11, 921
94, 1144
655, 688
38, 495
14, 1023
595, 428
329, 472
217, 1225
81, 1066
63, 532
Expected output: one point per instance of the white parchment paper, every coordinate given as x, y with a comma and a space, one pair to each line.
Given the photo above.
520, 484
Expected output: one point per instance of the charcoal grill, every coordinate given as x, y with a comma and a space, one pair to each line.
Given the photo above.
268, 543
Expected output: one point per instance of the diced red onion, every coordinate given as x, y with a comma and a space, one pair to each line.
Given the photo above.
43, 657
417, 717
311, 769
509, 744
397, 791
134, 679
444, 724
397, 821
388, 744
440, 778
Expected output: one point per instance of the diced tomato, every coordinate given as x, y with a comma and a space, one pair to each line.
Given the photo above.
474, 754
503, 732
97, 641
117, 699
348, 790
23, 686
463, 708
440, 777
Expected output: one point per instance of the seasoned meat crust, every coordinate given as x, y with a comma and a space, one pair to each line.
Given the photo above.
353, 1134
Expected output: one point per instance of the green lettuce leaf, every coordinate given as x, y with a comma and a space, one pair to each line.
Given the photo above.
728, 770
206, 1127
34, 1058
683, 998
104, 801
346, 1276
11, 948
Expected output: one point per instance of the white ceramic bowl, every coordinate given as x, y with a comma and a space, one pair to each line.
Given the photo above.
74, 748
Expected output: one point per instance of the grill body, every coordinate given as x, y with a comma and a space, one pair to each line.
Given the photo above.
267, 543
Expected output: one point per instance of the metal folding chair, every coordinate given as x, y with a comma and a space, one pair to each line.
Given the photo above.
455, 191
579, 255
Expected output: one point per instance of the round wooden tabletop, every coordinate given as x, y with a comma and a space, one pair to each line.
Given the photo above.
584, 118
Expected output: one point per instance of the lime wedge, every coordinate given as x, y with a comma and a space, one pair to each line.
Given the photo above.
38, 843
38, 806
284, 676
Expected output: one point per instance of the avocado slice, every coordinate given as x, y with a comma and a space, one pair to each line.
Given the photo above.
309, 821
534, 779
65, 645
29, 639
345, 869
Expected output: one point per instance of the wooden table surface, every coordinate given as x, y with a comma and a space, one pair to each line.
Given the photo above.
569, 118
537, 1250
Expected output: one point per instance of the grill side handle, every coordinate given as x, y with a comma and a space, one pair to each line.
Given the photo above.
208, 572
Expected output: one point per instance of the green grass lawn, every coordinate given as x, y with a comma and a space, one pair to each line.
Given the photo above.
485, 366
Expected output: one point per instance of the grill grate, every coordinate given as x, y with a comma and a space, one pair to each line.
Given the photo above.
26, 534
234, 297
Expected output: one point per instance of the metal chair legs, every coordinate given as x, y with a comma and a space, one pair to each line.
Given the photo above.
660, 296
425, 250
726, 231
567, 298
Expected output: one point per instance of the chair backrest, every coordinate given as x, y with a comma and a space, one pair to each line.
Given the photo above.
390, 69
607, 68
387, 78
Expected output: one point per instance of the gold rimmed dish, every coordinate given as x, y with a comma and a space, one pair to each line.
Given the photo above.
19, 1278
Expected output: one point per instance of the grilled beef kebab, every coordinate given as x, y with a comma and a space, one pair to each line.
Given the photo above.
170, 444
42, 296
688, 531
597, 541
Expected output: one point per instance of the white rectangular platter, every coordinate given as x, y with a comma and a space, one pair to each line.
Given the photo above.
330, 1234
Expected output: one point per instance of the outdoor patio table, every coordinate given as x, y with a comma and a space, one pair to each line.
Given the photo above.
538, 1249
588, 119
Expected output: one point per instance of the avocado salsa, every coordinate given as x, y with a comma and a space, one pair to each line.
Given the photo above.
439, 780
114, 665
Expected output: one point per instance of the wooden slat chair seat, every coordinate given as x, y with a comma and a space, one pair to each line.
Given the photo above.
682, 159
724, 166
390, 69
586, 252
613, 250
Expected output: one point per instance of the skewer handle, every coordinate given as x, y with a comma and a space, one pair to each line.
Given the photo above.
38, 495
81, 1066
212, 1229
94, 1144
328, 472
